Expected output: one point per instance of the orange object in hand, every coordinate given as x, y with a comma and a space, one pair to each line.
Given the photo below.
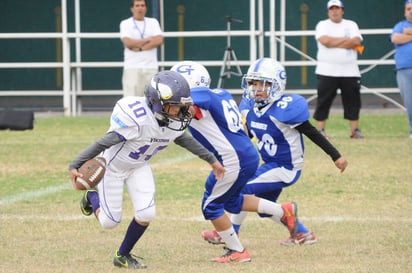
359, 49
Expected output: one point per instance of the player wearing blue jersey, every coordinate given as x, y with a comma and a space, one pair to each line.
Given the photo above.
140, 127
277, 121
217, 124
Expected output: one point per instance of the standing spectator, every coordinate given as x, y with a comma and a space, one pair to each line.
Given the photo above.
339, 41
140, 127
402, 39
140, 36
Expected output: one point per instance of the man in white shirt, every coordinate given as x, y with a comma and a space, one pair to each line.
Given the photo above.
339, 43
140, 36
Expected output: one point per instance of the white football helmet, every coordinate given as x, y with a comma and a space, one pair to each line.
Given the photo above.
195, 73
269, 71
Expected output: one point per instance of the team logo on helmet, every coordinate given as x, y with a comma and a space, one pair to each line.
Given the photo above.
164, 90
185, 68
282, 74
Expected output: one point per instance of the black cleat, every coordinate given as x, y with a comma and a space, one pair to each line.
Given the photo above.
85, 205
127, 261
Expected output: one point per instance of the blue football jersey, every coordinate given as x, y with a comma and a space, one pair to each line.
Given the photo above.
220, 128
274, 128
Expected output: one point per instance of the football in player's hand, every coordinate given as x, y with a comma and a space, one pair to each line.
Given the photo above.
93, 171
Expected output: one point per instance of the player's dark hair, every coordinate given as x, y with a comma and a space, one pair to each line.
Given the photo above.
132, 2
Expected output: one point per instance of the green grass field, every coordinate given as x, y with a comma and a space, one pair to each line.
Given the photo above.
362, 217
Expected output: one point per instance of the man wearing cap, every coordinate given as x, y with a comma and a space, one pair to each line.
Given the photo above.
339, 43
401, 37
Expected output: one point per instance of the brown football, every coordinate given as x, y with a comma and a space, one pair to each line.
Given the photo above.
93, 171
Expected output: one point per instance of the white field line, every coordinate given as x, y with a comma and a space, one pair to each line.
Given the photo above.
320, 219
30, 195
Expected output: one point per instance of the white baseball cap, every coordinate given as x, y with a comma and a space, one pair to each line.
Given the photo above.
336, 3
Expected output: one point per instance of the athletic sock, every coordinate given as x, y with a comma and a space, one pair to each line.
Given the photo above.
237, 220
301, 228
270, 208
133, 234
236, 228
231, 239
93, 198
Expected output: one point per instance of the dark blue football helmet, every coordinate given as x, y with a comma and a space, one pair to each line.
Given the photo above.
169, 88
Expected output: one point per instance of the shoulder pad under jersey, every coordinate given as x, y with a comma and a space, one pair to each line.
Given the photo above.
245, 106
130, 112
291, 109
200, 96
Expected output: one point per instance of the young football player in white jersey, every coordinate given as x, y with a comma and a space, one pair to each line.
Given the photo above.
140, 127
217, 124
277, 121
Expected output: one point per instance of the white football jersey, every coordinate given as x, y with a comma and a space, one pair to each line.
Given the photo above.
134, 122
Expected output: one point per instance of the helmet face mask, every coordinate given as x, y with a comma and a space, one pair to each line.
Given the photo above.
273, 77
270, 88
166, 89
177, 122
195, 73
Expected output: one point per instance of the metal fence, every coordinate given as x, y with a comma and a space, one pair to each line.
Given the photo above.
72, 93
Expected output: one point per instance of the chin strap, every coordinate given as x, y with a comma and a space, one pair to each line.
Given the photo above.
161, 119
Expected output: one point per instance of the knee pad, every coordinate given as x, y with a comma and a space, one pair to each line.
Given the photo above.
108, 223
145, 215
